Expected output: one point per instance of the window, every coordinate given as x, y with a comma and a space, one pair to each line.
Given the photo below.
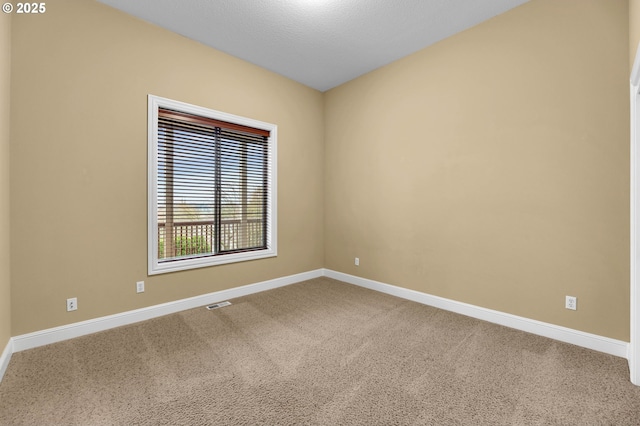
212, 187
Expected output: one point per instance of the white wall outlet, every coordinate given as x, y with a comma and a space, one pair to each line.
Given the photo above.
571, 302
72, 304
357, 261
140, 287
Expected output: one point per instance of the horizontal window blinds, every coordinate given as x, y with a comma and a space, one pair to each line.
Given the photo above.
212, 186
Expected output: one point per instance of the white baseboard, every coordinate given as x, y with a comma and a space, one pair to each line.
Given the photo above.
563, 334
5, 358
65, 332
57, 334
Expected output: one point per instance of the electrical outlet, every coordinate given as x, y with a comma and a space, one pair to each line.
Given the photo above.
140, 287
72, 304
357, 261
571, 302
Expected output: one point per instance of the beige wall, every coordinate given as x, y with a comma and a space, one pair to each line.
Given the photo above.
80, 78
5, 79
634, 29
492, 168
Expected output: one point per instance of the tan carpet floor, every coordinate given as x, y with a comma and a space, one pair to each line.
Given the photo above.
319, 352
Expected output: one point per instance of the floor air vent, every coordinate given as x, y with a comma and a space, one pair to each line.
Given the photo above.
218, 305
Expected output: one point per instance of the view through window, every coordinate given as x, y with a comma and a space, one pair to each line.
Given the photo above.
212, 188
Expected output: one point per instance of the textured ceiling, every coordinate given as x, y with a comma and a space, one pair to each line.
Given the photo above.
319, 43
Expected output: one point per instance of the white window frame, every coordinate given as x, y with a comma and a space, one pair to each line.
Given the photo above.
154, 266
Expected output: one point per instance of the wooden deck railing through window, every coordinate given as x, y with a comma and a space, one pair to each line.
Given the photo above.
198, 237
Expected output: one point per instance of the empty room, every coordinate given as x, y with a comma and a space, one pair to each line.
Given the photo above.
319, 212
